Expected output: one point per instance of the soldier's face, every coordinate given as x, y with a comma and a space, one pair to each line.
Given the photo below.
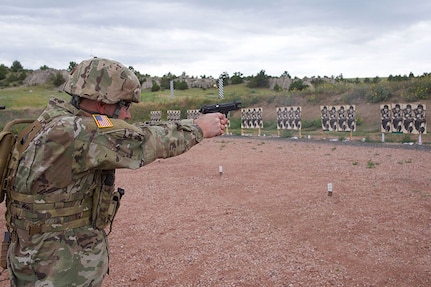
109, 110
125, 113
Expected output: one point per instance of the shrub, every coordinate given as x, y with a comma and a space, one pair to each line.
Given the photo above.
261, 80
379, 93
297, 85
420, 90
58, 80
181, 85
236, 78
314, 99
406, 138
312, 125
155, 87
277, 88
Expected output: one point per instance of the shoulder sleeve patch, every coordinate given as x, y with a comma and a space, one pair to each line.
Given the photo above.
102, 121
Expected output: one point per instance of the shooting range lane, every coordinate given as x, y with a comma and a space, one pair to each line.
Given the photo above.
268, 219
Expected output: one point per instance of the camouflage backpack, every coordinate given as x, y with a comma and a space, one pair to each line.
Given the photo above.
8, 139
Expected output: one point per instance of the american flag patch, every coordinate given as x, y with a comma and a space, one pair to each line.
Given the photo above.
102, 121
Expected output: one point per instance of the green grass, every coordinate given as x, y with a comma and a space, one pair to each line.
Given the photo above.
27, 101
28, 97
371, 164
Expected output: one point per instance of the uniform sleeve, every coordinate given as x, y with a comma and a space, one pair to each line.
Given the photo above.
132, 146
168, 139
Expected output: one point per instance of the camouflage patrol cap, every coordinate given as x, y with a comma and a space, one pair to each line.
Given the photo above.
103, 80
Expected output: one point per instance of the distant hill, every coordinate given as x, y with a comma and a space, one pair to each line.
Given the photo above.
366, 94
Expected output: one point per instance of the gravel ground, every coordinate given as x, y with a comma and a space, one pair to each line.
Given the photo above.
267, 219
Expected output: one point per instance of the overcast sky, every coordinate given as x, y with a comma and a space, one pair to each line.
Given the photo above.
364, 38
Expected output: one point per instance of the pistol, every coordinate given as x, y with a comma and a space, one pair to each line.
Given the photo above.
223, 108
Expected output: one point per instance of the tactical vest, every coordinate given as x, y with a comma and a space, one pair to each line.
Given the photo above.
40, 213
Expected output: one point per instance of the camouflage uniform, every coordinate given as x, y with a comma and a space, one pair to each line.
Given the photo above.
57, 237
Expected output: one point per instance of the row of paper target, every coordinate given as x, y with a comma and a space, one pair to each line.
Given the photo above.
288, 117
341, 118
250, 118
403, 118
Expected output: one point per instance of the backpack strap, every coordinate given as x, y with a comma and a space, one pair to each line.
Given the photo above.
26, 136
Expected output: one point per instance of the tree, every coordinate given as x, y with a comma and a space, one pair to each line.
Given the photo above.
339, 78
376, 80
261, 80
165, 81
286, 74
71, 66
236, 78
181, 85
3, 72
225, 77
16, 66
297, 85
141, 78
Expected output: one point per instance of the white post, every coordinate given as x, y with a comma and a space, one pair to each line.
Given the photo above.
171, 85
330, 189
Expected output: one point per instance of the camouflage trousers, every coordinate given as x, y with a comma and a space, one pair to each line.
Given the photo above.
76, 257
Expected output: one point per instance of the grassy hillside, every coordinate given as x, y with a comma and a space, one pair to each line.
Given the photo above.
29, 101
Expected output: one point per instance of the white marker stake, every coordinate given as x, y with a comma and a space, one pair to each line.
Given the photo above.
329, 189
220, 170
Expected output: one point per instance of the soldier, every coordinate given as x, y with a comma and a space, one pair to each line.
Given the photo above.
63, 197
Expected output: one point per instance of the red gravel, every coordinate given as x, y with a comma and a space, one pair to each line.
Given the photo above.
268, 219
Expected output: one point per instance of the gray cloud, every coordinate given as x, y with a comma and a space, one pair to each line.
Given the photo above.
355, 38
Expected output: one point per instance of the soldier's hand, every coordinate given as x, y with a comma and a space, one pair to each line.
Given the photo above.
212, 124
